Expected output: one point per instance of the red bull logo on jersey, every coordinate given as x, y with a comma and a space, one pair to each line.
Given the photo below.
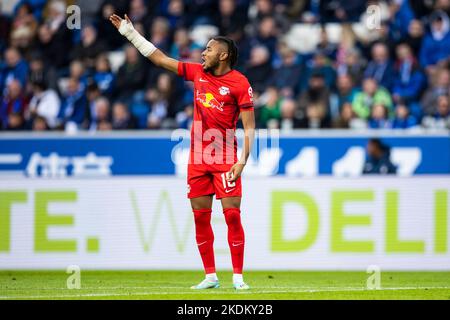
209, 101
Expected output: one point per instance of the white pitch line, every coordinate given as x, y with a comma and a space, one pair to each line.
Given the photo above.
223, 287
332, 289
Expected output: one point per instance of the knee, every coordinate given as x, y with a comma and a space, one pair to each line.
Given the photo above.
232, 216
202, 216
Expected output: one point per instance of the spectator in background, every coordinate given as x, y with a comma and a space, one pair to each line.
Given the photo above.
379, 117
131, 75
325, 46
40, 124
267, 35
401, 16
270, 110
44, 103
158, 109
421, 9
243, 42
182, 45
441, 119
443, 5
346, 43
345, 93
74, 108
288, 120
409, 80
14, 68
16, 122
439, 86
55, 39
347, 119
370, 95
39, 73
378, 159
92, 93
90, 48
230, 16
103, 76
36, 6
353, 65
415, 36
160, 34
200, 12
296, 9
403, 119
100, 114
385, 35
24, 27
380, 67
266, 8
314, 101
319, 64
108, 32
184, 118
436, 44
121, 117
163, 103
175, 14
78, 72
13, 105
259, 69
139, 12
286, 77
341, 10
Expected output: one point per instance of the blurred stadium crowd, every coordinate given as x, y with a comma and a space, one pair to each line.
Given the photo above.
312, 63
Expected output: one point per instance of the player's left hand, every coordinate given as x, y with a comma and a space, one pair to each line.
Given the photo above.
235, 172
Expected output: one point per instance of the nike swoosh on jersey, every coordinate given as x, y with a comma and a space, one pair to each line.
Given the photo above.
227, 191
237, 244
203, 80
199, 244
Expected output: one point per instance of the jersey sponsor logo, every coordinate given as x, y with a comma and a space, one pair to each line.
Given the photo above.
209, 101
224, 90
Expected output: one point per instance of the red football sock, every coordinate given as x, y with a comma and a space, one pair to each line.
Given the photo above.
236, 238
205, 238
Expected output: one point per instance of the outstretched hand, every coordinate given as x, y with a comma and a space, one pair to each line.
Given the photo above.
117, 21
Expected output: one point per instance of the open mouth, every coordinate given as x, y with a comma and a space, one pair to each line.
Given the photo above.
203, 62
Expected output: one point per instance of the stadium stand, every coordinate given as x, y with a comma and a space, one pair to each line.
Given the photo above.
312, 63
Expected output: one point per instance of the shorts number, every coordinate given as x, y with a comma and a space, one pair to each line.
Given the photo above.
227, 184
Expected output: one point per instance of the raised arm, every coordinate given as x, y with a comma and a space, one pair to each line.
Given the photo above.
145, 47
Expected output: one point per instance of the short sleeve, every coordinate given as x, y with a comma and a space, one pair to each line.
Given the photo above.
244, 96
188, 70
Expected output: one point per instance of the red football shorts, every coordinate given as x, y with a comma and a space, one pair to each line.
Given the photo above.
208, 179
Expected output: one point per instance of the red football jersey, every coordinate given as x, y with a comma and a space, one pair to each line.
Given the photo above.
218, 100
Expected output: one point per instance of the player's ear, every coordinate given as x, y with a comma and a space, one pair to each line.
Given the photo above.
223, 56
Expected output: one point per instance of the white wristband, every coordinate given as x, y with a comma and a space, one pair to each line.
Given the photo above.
144, 46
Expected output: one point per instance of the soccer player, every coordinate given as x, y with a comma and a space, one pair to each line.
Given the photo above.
220, 95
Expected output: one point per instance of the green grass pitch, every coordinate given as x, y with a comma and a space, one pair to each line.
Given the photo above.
264, 285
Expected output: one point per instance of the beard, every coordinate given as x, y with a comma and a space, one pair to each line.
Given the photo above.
212, 67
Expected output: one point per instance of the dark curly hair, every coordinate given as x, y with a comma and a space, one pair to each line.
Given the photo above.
232, 49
